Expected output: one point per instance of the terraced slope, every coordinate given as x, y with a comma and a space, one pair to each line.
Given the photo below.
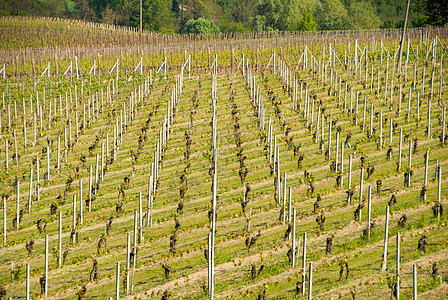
186, 178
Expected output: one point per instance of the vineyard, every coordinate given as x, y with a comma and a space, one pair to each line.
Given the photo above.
263, 166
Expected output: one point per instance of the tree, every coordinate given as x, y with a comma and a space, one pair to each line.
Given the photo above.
307, 23
363, 15
108, 16
84, 11
240, 11
175, 7
332, 15
284, 15
157, 16
292, 15
202, 26
436, 11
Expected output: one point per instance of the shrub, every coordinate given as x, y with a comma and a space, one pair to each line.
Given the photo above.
202, 26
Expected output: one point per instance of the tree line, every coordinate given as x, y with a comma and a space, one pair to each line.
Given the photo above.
211, 16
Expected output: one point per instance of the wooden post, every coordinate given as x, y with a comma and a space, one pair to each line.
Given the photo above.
386, 236
304, 263
402, 38
310, 283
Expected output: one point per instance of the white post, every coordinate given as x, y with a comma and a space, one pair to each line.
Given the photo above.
60, 240
429, 120
46, 265
414, 280
304, 263
74, 211
6, 154
48, 163
81, 202
140, 217
27, 281
369, 210
349, 172
18, 205
128, 261
386, 235
117, 283
439, 191
5, 228
398, 252
284, 196
293, 237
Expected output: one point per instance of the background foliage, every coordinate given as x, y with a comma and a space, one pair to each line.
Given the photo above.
239, 15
